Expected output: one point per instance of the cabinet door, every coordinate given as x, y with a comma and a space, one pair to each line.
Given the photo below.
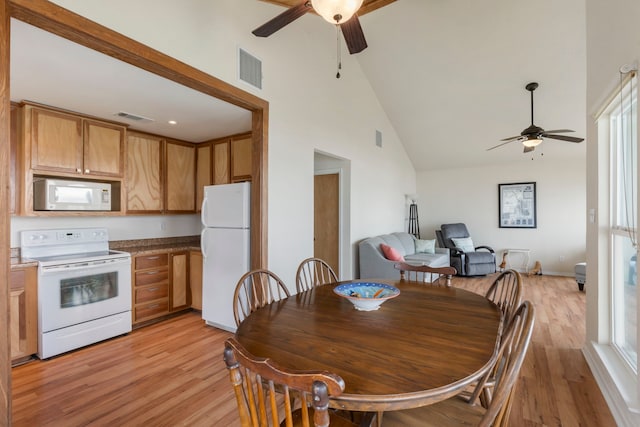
143, 181
241, 159
56, 141
14, 188
23, 312
203, 172
180, 179
221, 163
179, 289
103, 149
195, 279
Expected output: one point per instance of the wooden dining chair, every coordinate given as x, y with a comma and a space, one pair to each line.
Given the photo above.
506, 292
264, 392
256, 289
314, 272
424, 273
457, 411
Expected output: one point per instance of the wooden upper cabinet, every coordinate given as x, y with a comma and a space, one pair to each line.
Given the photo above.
103, 149
232, 159
56, 141
144, 173
180, 184
221, 162
69, 144
241, 159
203, 171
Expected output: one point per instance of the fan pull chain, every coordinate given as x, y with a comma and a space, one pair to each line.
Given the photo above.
339, 54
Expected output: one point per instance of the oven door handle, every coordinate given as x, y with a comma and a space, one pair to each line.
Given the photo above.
88, 265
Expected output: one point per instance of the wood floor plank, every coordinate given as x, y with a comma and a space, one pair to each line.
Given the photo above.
172, 373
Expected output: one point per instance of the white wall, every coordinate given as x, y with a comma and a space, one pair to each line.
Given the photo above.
309, 108
613, 40
471, 196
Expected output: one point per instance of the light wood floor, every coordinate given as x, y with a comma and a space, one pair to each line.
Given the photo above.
172, 374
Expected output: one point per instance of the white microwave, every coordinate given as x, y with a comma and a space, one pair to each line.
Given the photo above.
65, 195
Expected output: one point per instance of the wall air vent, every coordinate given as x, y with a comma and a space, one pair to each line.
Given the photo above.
249, 68
378, 138
134, 117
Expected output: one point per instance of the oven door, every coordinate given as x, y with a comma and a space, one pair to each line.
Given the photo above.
73, 293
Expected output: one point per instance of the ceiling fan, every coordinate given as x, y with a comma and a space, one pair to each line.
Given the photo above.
532, 136
341, 13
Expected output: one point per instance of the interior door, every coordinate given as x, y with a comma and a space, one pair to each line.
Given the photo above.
327, 219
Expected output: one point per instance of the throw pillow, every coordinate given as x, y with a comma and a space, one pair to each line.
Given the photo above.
465, 243
426, 246
391, 253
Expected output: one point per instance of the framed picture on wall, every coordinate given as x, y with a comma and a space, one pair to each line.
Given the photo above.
517, 205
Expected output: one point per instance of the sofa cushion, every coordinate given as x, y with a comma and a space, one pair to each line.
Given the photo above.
391, 253
432, 260
426, 246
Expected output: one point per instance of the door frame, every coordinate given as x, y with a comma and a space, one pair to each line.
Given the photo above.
340, 172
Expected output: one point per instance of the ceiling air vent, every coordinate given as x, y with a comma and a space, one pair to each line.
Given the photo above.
134, 117
249, 68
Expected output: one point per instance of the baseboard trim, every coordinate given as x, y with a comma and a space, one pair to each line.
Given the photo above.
618, 384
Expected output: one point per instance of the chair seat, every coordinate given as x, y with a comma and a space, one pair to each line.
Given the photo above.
450, 412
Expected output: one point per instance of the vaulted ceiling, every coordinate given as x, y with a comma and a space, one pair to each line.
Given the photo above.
451, 75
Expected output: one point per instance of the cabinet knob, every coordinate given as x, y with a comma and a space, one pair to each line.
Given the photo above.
87, 171
79, 170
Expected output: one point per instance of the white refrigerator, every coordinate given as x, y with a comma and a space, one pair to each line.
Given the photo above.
225, 249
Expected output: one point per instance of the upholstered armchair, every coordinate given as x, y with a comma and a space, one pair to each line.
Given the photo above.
467, 259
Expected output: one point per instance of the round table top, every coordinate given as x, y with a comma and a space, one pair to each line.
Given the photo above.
423, 346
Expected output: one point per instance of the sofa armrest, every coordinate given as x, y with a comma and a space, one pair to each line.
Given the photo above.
442, 251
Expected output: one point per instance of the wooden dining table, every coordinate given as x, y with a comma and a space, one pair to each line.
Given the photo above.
423, 346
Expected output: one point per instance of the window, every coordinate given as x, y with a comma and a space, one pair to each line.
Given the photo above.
623, 137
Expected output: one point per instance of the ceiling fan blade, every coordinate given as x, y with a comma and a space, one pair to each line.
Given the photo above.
511, 138
563, 137
353, 35
559, 131
528, 149
285, 18
500, 145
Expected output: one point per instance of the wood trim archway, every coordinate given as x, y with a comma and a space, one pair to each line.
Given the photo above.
76, 28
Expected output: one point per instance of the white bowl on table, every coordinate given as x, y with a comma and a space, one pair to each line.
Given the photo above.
366, 296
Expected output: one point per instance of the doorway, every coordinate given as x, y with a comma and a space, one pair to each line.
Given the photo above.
332, 213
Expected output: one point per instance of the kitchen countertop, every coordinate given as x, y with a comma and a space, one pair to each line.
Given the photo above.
150, 246
134, 247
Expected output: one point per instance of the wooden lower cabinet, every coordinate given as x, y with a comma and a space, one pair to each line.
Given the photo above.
180, 296
150, 287
160, 285
23, 312
195, 279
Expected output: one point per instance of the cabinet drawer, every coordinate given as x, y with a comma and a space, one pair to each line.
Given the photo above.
159, 275
151, 310
151, 261
151, 293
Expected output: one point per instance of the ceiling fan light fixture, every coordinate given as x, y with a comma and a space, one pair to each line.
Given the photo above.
336, 11
532, 141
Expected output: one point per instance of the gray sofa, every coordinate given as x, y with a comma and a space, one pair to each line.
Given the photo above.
374, 265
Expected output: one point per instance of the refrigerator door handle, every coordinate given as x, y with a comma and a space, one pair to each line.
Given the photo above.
203, 248
203, 211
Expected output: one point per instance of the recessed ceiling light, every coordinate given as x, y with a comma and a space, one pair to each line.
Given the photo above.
173, 122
